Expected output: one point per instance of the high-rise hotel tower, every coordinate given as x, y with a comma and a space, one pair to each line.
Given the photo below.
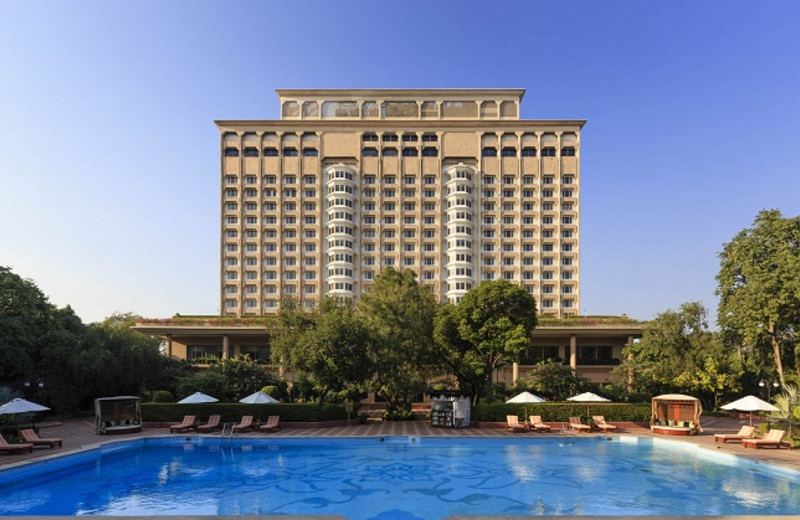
449, 183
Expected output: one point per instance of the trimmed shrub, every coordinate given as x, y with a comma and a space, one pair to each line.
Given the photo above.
555, 412
163, 396
289, 412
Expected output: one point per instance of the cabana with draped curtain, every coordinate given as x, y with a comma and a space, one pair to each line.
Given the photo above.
676, 414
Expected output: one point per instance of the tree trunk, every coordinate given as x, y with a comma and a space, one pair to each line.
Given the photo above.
776, 349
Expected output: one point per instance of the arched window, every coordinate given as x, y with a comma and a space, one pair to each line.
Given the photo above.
251, 152
430, 152
310, 152
231, 152
369, 152
489, 151
529, 151
410, 152
290, 152
508, 151
568, 151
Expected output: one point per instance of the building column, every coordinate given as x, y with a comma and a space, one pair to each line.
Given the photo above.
514, 373
169, 346
573, 352
225, 346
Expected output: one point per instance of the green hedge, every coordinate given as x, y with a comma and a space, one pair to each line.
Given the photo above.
561, 412
289, 412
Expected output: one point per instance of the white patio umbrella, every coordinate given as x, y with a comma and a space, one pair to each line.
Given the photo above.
258, 398
750, 403
198, 397
19, 406
526, 397
588, 397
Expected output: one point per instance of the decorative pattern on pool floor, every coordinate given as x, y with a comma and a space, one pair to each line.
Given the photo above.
397, 478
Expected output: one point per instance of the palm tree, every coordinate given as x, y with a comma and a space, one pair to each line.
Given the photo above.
787, 402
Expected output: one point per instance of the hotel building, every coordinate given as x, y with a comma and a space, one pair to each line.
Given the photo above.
449, 183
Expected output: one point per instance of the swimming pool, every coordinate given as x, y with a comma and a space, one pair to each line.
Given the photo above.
398, 478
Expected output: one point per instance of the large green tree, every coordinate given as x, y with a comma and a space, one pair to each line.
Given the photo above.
759, 290
335, 351
489, 328
398, 314
678, 353
75, 362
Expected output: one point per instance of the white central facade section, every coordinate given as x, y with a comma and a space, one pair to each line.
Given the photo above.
460, 214
342, 232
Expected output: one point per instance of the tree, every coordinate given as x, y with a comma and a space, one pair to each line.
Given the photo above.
25, 316
554, 381
678, 352
289, 325
788, 404
242, 376
398, 313
490, 327
335, 351
759, 288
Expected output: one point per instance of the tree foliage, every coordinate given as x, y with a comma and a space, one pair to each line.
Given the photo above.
398, 314
335, 350
759, 289
678, 353
554, 381
489, 328
75, 362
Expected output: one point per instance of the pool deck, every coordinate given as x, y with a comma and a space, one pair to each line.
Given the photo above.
79, 435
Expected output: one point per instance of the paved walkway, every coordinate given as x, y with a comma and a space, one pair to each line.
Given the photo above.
79, 435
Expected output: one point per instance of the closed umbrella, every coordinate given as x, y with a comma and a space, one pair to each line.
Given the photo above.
588, 397
258, 398
198, 397
526, 397
750, 404
20, 406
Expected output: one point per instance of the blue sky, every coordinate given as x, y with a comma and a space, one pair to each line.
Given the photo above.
108, 153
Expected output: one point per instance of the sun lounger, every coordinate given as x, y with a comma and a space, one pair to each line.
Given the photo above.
245, 424
537, 424
211, 425
745, 433
33, 438
772, 438
186, 425
513, 424
577, 426
271, 425
600, 423
15, 448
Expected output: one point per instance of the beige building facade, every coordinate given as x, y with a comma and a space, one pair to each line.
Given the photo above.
451, 184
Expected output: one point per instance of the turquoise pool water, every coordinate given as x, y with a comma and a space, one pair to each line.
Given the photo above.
398, 478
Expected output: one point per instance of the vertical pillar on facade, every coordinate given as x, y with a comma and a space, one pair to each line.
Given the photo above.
630, 366
225, 346
169, 346
514, 373
573, 352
